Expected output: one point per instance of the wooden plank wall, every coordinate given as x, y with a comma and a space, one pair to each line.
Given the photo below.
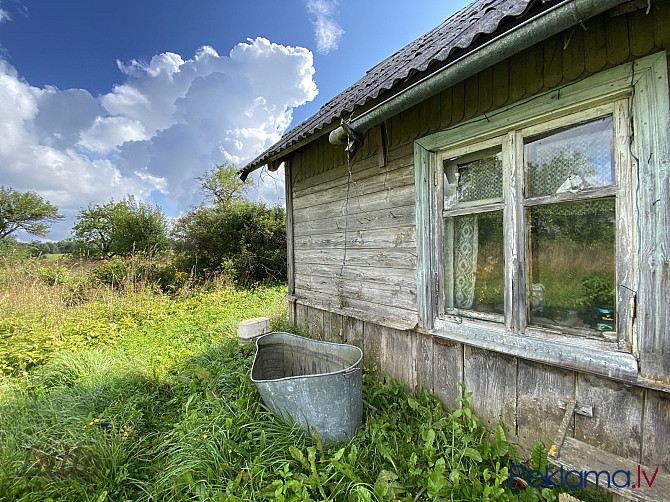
528, 398
374, 207
380, 271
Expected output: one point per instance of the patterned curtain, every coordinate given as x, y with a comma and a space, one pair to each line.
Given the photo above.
466, 244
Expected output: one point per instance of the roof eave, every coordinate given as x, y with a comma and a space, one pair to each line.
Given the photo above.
260, 161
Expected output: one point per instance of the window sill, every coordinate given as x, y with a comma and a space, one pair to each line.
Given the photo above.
578, 354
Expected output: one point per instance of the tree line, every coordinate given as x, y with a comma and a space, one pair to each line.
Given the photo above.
227, 233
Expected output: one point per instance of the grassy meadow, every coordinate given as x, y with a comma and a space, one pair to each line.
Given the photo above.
114, 387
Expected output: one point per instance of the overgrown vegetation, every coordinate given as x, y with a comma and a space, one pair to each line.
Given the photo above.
229, 235
134, 394
246, 240
48, 306
199, 431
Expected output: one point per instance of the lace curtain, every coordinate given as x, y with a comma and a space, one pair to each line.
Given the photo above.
466, 245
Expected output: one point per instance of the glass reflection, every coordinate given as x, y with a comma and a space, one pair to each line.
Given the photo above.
572, 265
572, 159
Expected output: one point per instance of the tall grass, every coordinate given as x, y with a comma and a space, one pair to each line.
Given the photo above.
201, 432
164, 411
46, 307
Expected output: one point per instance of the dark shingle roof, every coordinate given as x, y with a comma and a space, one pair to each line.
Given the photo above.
457, 32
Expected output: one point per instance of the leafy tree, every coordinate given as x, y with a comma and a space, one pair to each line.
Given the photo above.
222, 186
93, 227
25, 211
122, 228
138, 227
243, 238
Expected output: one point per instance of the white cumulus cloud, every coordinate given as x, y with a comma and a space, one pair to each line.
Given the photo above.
163, 124
326, 30
33, 158
107, 133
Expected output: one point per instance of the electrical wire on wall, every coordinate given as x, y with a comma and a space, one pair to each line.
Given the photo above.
353, 142
346, 205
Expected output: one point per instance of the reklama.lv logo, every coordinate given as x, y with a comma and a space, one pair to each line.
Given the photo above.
578, 479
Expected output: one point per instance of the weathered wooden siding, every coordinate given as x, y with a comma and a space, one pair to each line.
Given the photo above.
375, 291
528, 398
376, 206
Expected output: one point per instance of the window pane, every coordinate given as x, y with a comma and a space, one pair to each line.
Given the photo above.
473, 180
475, 263
572, 266
572, 159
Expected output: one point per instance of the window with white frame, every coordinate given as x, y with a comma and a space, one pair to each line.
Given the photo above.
530, 224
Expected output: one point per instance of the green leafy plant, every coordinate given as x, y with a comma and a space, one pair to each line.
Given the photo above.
246, 240
122, 228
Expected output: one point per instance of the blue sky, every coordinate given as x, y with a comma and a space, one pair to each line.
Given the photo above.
101, 98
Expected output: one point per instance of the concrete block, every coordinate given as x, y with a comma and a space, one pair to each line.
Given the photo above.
249, 329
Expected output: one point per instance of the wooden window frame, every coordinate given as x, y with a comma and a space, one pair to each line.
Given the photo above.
642, 83
462, 209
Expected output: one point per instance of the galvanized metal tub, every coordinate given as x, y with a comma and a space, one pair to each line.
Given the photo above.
312, 383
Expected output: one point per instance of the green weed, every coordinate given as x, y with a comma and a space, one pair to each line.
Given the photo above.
197, 430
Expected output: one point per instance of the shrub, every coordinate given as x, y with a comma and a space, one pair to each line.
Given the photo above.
10, 248
118, 273
139, 272
52, 275
171, 278
245, 239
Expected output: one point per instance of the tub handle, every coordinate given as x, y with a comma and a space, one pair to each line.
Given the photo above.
350, 371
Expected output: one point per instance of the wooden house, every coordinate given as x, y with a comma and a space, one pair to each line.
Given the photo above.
489, 206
